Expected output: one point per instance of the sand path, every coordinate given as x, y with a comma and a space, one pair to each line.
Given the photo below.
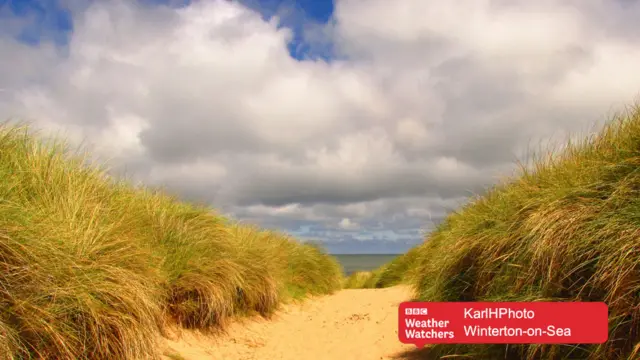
359, 324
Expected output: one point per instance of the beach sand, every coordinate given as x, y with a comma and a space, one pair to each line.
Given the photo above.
352, 324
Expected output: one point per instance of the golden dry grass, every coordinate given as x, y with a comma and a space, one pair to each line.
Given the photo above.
94, 268
566, 228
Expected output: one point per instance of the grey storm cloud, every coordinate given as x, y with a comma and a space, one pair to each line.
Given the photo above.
417, 111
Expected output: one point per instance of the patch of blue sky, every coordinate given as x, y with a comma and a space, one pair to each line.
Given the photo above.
49, 20
38, 20
305, 18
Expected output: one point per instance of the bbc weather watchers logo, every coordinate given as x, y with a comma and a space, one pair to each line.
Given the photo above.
415, 311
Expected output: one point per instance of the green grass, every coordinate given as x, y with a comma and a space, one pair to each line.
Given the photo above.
94, 268
174, 355
359, 280
397, 271
566, 228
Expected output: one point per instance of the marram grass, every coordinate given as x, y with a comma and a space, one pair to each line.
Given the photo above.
565, 229
94, 268
397, 271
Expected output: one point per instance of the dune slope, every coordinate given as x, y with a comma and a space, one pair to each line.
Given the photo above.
92, 267
566, 228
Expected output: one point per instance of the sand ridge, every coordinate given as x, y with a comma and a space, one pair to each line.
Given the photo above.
352, 324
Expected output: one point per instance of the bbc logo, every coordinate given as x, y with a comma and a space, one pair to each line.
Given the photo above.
415, 311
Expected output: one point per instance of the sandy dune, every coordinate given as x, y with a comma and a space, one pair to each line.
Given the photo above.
349, 325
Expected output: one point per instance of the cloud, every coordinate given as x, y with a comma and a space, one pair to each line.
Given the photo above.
420, 106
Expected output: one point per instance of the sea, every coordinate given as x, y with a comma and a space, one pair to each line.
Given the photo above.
363, 262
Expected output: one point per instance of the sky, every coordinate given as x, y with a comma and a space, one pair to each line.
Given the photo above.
357, 123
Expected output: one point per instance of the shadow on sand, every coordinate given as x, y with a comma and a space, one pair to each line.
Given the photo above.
414, 354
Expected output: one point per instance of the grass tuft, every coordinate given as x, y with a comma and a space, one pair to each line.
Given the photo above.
397, 271
94, 268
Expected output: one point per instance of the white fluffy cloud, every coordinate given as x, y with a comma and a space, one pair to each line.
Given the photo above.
426, 102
